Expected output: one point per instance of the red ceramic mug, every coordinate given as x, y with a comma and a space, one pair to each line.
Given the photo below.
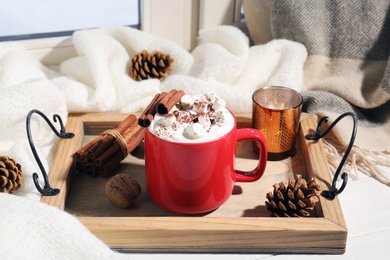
197, 177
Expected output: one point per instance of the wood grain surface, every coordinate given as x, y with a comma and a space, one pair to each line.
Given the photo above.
241, 225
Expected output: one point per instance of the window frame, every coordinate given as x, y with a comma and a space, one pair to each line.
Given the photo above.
194, 16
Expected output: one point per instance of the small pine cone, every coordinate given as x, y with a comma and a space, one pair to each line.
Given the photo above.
146, 66
293, 199
11, 177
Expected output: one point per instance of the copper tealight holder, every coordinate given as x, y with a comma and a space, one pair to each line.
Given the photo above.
276, 113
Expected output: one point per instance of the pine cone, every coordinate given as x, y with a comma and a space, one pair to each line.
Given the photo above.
293, 199
10, 175
146, 66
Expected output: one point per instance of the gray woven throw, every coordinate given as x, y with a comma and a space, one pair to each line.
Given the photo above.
348, 69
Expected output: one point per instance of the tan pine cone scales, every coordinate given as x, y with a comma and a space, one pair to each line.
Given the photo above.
296, 198
146, 66
11, 177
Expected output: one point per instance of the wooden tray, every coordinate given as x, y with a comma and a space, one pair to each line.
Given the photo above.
241, 225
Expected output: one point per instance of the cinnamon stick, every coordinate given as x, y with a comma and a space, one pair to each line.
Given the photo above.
107, 168
87, 146
102, 147
148, 120
133, 136
125, 124
169, 101
148, 110
81, 156
91, 169
79, 165
99, 147
104, 153
164, 100
84, 157
110, 152
148, 114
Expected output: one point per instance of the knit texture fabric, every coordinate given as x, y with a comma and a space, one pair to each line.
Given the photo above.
347, 69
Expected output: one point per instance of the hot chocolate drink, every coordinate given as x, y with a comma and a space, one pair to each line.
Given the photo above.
195, 118
190, 149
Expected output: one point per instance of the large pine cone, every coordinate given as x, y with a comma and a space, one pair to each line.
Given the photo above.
10, 175
146, 66
293, 199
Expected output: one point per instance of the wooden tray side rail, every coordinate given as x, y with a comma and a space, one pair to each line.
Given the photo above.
325, 234
222, 235
59, 176
317, 166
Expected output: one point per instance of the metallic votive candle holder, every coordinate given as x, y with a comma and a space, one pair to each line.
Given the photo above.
276, 113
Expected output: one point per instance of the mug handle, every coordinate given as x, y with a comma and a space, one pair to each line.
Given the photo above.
257, 173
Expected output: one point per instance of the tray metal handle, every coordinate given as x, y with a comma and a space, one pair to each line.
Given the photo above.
47, 189
334, 191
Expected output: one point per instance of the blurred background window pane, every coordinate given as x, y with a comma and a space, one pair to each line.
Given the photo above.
27, 19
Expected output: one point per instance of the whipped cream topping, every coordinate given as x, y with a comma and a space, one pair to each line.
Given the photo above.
195, 118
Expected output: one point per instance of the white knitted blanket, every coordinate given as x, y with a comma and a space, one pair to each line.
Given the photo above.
97, 80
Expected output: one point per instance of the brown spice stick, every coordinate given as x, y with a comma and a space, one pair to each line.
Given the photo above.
91, 151
147, 110
165, 99
84, 157
91, 169
105, 151
108, 154
101, 146
125, 124
80, 156
108, 140
133, 136
148, 120
107, 168
148, 114
86, 147
77, 163
169, 101
79, 167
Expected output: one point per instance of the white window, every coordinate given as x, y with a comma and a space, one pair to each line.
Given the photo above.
26, 19
175, 20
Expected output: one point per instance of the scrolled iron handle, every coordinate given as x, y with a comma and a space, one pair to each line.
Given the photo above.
47, 190
334, 191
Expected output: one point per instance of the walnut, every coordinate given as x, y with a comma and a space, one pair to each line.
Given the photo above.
122, 190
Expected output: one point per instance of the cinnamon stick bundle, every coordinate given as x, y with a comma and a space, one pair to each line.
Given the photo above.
162, 103
103, 154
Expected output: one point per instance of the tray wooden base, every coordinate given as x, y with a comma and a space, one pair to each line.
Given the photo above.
241, 225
